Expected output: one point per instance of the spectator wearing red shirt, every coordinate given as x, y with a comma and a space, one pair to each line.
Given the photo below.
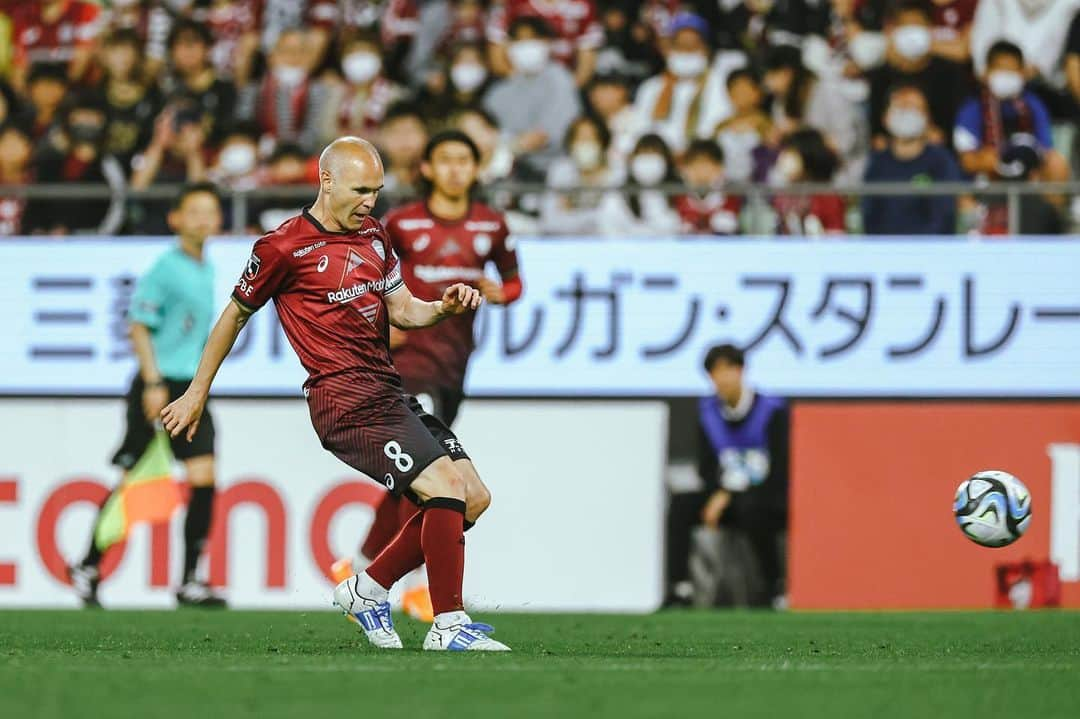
576, 32
285, 109
952, 29
54, 31
463, 85
234, 25
356, 104
706, 209
804, 157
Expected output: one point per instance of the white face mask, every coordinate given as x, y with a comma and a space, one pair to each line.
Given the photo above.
648, 169
528, 56
467, 76
905, 123
788, 167
360, 67
237, 160
911, 41
1005, 84
587, 155
289, 75
867, 49
687, 64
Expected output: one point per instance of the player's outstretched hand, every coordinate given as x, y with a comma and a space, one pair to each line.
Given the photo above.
183, 413
460, 298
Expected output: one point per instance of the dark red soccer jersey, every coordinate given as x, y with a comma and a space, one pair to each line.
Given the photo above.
435, 254
329, 290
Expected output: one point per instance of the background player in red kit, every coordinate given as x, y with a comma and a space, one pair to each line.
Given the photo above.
441, 240
336, 284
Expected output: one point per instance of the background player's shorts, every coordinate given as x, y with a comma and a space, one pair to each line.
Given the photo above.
443, 402
139, 432
378, 430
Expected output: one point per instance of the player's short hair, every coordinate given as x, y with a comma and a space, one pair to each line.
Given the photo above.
445, 136
195, 188
707, 149
727, 353
1006, 49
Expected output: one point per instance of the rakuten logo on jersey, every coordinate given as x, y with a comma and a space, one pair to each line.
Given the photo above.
348, 294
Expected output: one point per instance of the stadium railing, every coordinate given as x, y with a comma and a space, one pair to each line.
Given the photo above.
757, 217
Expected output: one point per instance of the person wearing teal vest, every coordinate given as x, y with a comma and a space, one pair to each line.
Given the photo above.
169, 320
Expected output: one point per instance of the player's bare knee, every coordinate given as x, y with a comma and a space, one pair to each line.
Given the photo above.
477, 501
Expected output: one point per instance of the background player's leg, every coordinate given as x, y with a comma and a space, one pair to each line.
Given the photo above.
388, 521
200, 474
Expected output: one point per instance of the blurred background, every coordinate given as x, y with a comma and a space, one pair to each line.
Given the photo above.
865, 208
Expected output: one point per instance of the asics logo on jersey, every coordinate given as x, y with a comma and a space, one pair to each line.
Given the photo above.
323, 262
309, 248
348, 294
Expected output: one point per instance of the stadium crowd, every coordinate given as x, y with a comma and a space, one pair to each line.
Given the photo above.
633, 117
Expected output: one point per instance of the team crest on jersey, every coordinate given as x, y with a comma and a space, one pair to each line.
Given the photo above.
352, 261
377, 245
253, 265
482, 244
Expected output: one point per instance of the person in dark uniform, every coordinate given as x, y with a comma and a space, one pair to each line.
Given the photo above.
743, 464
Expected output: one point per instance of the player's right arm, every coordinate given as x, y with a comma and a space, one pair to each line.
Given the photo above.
266, 272
185, 412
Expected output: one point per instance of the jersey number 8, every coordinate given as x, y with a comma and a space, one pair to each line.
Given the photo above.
402, 460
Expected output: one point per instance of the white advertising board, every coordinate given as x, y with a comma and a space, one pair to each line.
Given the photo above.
576, 522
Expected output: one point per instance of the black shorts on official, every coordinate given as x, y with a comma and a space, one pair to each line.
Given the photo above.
443, 402
385, 434
140, 432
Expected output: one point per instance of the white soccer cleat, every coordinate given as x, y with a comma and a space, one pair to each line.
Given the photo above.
455, 632
371, 614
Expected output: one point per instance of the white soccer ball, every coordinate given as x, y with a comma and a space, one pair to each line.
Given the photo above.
993, 508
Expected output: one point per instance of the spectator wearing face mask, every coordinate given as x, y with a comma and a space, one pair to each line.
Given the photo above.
910, 61
747, 128
706, 209
688, 100
1003, 108
416, 33
285, 104
643, 208
578, 182
236, 163
355, 104
805, 157
74, 152
536, 104
1038, 27
575, 33
910, 157
802, 99
131, 99
464, 84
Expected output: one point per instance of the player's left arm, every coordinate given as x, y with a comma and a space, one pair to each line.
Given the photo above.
407, 312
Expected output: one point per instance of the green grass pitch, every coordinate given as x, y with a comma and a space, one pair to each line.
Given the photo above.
733, 664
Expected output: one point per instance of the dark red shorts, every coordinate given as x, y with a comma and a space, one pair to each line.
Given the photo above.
372, 426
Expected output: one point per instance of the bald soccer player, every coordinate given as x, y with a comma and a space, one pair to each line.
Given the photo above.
337, 287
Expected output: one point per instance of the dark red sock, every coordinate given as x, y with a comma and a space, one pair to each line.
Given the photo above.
442, 537
386, 525
401, 556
